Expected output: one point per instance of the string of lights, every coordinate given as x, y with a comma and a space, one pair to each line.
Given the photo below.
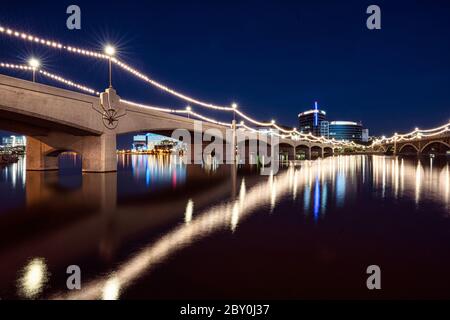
188, 110
15, 66
69, 83
233, 108
413, 135
51, 76
49, 43
92, 91
299, 136
109, 56
304, 137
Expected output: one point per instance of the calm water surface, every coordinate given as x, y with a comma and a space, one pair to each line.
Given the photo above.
158, 229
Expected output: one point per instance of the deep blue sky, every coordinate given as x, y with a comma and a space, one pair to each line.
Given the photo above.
273, 58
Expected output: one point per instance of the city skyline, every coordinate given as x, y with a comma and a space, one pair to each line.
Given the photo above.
219, 64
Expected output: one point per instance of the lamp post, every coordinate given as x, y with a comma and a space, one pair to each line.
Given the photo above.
34, 64
110, 51
234, 106
189, 109
234, 136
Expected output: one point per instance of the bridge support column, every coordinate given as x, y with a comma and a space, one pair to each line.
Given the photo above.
37, 156
233, 142
99, 153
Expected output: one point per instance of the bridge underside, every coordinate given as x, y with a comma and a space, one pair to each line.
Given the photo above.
46, 140
34, 126
98, 153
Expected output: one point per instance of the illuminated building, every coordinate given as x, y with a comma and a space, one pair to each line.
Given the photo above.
310, 120
365, 135
14, 141
325, 129
140, 142
346, 130
150, 141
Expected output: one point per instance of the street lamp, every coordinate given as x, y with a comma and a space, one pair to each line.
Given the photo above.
34, 64
188, 109
110, 51
234, 106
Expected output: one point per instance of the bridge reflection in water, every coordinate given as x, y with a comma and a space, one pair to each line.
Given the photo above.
128, 224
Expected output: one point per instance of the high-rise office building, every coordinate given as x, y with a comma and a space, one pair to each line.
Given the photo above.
346, 130
365, 135
325, 129
14, 141
310, 120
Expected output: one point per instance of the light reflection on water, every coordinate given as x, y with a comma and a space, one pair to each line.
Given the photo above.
315, 189
420, 180
229, 214
160, 168
33, 278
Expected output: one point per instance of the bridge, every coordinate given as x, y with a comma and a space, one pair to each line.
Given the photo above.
418, 142
57, 120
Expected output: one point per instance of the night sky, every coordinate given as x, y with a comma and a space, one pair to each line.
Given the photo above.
273, 58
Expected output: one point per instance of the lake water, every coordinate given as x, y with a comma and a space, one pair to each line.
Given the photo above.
158, 229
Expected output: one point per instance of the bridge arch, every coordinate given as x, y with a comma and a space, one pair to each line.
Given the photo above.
389, 150
379, 149
316, 151
302, 151
408, 148
328, 151
287, 151
435, 147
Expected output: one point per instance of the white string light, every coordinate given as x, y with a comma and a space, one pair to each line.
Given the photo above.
307, 137
177, 111
417, 134
168, 90
50, 43
304, 137
73, 49
51, 76
69, 83
15, 66
188, 110
135, 72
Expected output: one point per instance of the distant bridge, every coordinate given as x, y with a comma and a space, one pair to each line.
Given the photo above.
418, 142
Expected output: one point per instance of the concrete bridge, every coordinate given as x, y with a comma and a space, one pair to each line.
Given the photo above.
57, 120
417, 144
